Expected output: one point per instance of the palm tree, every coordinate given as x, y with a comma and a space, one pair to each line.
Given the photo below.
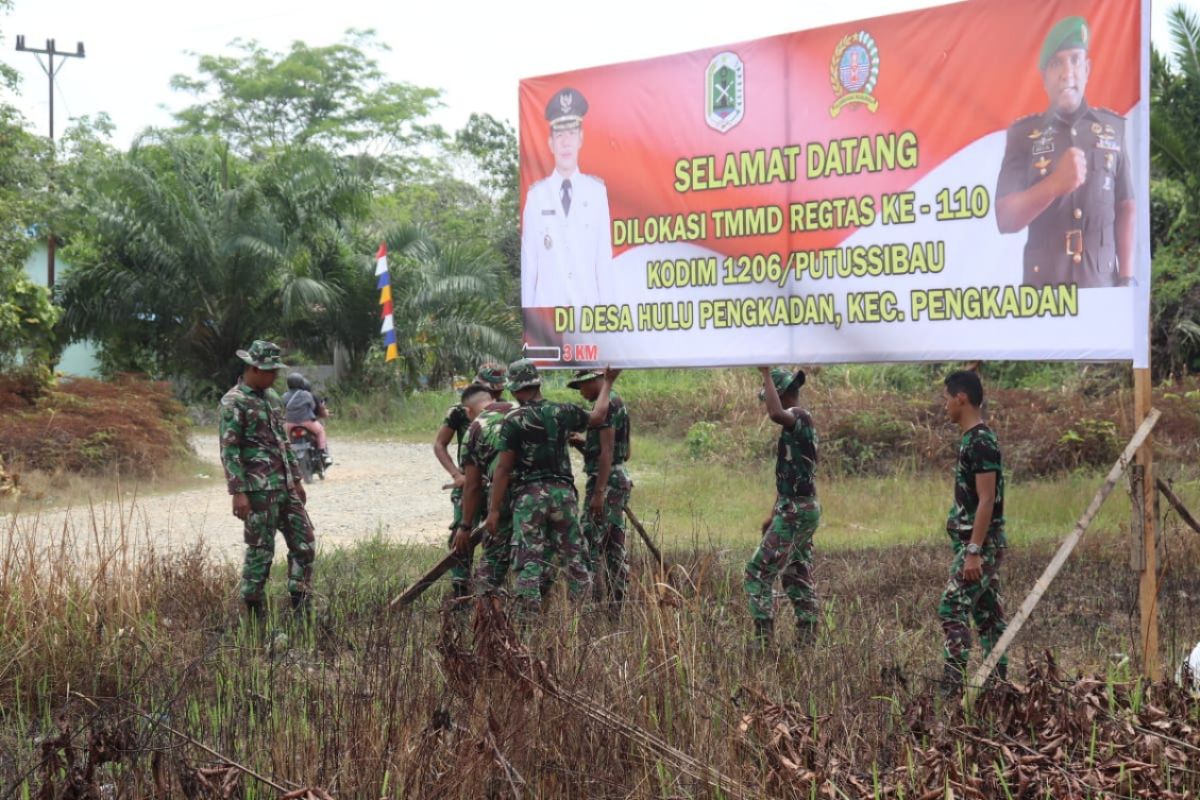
449, 306
1175, 98
193, 253
1175, 196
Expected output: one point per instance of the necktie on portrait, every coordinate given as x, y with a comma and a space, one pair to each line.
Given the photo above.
566, 197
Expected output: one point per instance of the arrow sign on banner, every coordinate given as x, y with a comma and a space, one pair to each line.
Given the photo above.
542, 353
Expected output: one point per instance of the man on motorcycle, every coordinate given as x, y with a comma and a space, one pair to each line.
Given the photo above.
304, 410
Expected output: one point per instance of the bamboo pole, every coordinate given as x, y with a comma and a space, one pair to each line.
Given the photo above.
1064, 550
436, 571
654, 551
1148, 583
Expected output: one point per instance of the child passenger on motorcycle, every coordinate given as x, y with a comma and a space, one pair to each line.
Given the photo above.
303, 410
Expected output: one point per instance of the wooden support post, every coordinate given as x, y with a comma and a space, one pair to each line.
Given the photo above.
1178, 505
1148, 586
1060, 557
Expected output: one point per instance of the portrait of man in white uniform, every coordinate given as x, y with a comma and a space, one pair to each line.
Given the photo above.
566, 235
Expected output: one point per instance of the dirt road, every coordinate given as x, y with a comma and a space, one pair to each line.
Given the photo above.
387, 488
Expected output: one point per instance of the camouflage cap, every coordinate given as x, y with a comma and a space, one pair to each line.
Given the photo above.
263, 354
783, 381
523, 374
1070, 33
492, 376
582, 376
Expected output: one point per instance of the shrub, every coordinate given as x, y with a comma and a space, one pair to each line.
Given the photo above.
128, 425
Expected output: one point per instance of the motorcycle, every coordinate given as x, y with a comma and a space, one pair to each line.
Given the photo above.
304, 445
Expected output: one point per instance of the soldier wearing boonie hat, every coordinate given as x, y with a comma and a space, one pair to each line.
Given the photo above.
605, 454
786, 547
263, 477
534, 461
491, 376
566, 241
1066, 176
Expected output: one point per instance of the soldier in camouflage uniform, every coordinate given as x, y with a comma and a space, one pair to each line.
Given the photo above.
480, 457
534, 459
1067, 176
788, 532
264, 478
605, 453
491, 377
976, 529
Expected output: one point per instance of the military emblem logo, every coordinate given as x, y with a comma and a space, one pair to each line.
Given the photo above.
854, 72
724, 91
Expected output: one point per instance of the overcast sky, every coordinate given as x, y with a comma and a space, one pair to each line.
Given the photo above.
474, 51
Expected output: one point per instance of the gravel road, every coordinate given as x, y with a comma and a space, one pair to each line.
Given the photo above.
389, 489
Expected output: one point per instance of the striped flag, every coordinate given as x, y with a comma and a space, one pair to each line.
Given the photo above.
383, 284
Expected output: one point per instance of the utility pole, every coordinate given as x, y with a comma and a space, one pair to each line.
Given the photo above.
51, 70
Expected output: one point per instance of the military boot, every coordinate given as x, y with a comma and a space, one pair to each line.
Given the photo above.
806, 634
764, 631
255, 619
301, 609
953, 679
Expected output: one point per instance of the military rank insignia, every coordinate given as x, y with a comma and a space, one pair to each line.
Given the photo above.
854, 72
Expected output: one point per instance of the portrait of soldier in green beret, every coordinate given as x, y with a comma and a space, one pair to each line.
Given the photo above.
1066, 176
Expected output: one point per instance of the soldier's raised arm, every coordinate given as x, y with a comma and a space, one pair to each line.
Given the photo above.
599, 411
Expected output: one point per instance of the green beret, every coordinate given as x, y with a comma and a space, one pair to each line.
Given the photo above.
1070, 33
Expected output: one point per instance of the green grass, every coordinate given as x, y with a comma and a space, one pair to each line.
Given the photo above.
723, 506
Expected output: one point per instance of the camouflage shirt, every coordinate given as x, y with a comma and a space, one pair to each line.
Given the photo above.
978, 452
796, 458
254, 448
537, 433
482, 447
456, 419
618, 418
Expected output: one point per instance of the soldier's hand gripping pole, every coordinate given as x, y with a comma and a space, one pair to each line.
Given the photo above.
637, 525
436, 571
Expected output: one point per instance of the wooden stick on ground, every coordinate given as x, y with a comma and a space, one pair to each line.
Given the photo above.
1178, 505
1060, 558
662, 565
436, 571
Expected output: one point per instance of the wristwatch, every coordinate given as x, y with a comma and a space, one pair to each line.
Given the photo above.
973, 549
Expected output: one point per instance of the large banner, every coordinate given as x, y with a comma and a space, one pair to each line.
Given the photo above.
969, 181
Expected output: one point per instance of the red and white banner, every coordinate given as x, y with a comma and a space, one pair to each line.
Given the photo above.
969, 181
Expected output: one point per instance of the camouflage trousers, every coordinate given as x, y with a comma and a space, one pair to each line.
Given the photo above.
963, 602
269, 512
546, 531
786, 547
496, 558
460, 571
605, 535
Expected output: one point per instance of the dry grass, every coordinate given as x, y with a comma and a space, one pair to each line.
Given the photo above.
111, 654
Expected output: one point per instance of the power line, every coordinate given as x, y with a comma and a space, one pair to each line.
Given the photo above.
51, 70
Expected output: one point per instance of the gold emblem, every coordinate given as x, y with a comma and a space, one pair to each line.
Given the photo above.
1036, 134
1096, 128
1041, 164
565, 101
548, 241
1108, 161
